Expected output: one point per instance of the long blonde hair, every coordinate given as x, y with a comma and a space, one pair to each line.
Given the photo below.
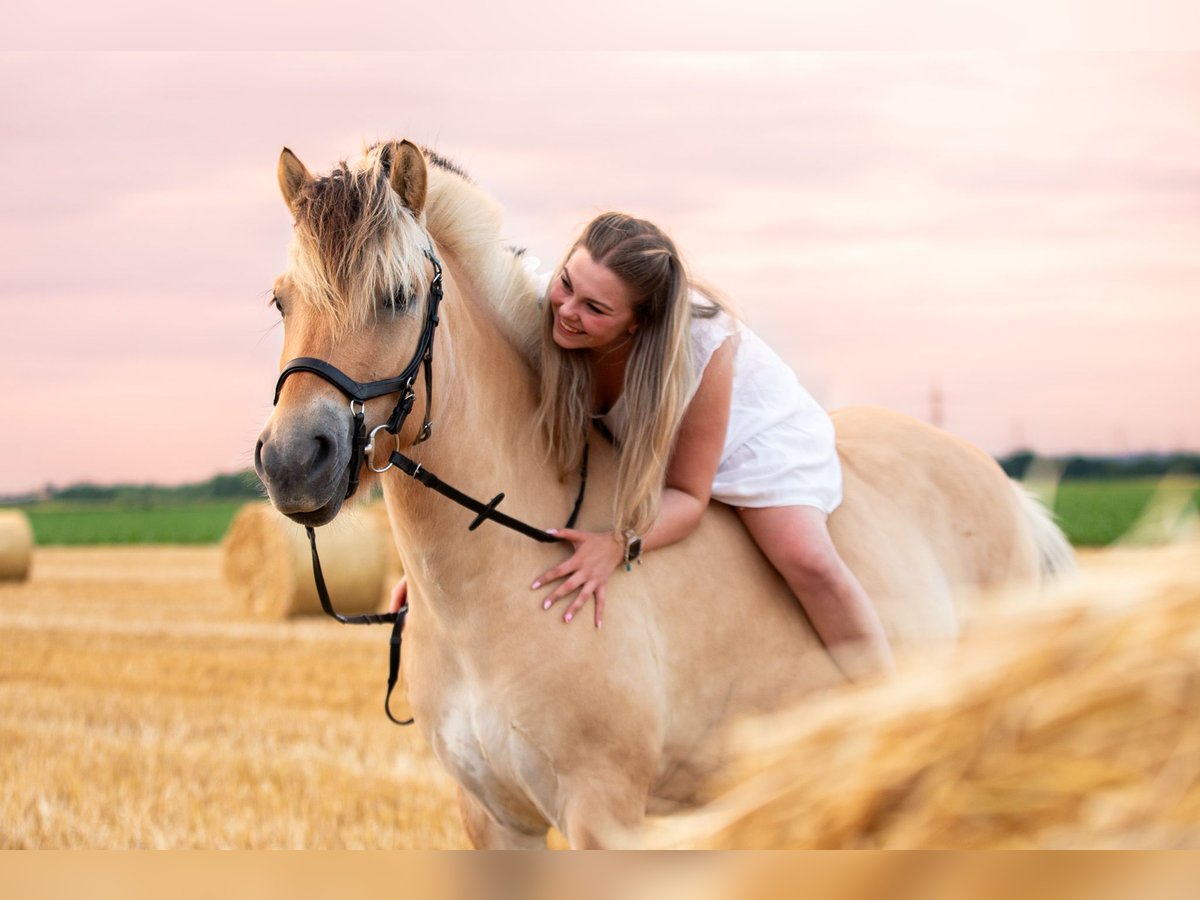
658, 374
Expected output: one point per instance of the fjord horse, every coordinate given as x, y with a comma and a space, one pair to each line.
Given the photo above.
544, 724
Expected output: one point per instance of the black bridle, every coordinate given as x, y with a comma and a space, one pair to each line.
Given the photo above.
362, 445
359, 393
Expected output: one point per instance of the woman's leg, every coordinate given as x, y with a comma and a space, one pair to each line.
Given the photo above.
796, 541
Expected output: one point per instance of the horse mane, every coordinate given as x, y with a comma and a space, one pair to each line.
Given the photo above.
466, 221
358, 247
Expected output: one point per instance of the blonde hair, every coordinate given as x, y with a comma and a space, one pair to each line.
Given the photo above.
658, 374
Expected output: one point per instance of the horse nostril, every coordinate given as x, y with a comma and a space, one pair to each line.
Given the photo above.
325, 450
293, 463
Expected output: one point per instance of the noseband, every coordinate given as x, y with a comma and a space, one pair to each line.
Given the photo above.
361, 443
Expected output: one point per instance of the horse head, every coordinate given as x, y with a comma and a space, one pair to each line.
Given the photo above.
361, 274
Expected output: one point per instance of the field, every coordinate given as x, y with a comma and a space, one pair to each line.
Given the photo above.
136, 712
59, 523
1097, 513
139, 710
1092, 513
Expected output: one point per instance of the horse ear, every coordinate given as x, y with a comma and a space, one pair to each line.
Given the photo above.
408, 176
292, 176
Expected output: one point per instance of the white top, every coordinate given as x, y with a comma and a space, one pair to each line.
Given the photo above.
779, 449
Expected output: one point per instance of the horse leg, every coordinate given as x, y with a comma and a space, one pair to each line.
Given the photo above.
601, 816
485, 833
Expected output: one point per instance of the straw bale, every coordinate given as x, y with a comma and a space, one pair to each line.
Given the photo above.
267, 563
16, 545
1066, 722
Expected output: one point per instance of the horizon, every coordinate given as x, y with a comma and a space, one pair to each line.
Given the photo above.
56, 489
1015, 232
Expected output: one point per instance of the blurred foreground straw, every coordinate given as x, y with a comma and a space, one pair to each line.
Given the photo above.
1067, 721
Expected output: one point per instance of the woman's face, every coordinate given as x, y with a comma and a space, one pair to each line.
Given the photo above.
593, 308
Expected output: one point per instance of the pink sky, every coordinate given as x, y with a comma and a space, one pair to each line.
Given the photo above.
1018, 230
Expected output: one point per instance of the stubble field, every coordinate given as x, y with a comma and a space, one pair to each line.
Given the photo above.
136, 710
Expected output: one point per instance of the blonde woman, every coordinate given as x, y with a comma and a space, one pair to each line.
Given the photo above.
699, 409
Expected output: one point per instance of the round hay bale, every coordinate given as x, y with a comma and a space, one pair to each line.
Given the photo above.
16, 545
267, 563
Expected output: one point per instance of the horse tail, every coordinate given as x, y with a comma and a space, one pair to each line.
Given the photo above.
1055, 554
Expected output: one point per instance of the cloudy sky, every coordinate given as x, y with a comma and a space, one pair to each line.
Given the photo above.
1017, 232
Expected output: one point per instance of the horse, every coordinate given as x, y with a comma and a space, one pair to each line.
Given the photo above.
543, 724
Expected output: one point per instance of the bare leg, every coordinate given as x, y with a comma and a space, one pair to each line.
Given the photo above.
796, 541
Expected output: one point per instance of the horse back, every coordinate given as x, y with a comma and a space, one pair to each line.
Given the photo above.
925, 512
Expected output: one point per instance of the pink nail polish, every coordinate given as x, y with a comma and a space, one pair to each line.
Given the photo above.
546, 605
567, 617
535, 585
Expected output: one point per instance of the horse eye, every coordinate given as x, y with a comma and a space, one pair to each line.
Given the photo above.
397, 302
279, 306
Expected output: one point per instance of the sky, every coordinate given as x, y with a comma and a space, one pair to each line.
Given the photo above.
1016, 233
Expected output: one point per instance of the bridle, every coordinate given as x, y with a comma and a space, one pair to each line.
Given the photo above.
362, 446
362, 443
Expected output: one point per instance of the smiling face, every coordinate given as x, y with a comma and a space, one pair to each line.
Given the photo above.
593, 308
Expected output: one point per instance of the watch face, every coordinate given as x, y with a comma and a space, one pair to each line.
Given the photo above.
633, 549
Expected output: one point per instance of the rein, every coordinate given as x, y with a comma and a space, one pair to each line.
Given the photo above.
485, 511
362, 445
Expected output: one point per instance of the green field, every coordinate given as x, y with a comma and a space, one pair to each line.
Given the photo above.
200, 522
1092, 513
1096, 513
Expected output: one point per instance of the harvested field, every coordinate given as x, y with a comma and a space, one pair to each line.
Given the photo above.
138, 709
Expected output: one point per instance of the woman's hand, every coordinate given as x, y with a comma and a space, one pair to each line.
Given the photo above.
399, 595
596, 555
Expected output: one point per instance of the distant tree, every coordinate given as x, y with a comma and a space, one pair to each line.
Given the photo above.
1142, 465
237, 484
87, 493
227, 486
1016, 464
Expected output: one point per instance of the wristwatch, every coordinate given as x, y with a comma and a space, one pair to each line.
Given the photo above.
633, 548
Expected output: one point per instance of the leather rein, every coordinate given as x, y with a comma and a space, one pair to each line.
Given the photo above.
362, 445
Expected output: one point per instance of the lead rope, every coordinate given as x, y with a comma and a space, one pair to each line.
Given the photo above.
483, 512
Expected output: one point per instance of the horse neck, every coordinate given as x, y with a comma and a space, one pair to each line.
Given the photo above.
490, 388
483, 442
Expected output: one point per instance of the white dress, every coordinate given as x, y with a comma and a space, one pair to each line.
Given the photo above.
779, 448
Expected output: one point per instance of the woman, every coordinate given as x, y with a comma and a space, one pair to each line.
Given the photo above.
699, 408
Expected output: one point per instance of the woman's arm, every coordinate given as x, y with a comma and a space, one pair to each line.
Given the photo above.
689, 480
696, 455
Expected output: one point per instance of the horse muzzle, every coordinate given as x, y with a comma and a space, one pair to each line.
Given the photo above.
304, 464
